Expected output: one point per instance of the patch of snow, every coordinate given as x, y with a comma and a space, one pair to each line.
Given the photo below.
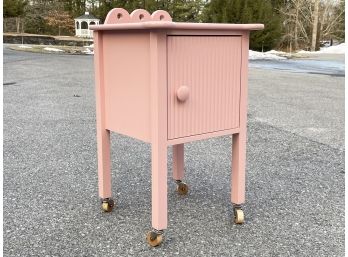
51, 49
277, 52
338, 49
88, 51
24, 46
253, 55
306, 52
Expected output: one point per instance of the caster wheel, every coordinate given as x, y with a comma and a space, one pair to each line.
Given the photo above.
182, 188
107, 204
154, 239
238, 215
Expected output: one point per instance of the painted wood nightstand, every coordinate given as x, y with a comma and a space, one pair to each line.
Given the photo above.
169, 83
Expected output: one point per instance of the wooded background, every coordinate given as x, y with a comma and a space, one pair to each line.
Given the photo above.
289, 24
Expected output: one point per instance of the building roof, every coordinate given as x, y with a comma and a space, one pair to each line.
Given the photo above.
87, 16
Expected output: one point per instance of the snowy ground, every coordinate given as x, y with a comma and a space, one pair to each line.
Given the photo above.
278, 55
24, 46
89, 49
328, 61
338, 49
271, 55
51, 49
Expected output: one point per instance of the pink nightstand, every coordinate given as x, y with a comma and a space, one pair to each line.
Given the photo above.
169, 83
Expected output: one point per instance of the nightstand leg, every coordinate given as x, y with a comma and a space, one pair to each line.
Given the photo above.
178, 162
159, 186
103, 135
238, 168
104, 172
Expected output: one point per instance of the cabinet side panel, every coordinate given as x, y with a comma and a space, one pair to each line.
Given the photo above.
127, 83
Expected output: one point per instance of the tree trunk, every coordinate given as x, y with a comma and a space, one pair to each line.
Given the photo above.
17, 23
315, 25
317, 45
296, 31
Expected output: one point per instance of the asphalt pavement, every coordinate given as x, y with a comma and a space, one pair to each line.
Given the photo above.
295, 171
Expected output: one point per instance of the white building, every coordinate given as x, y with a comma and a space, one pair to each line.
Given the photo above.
82, 24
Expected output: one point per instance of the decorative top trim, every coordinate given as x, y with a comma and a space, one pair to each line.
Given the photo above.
140, 19
120, 15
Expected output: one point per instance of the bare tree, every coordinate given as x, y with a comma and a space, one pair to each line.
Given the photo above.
331, 19
315, 25
295, 13
306, 22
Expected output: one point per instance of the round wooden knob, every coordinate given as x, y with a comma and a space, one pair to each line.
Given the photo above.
183, 93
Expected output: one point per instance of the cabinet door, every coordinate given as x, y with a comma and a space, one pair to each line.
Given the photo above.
203, 84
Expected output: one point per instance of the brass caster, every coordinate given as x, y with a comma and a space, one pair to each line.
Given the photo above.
181, 188
107, 204
238, 215
154, 238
